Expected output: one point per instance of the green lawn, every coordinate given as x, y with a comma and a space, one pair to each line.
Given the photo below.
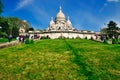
71, 59
3, 40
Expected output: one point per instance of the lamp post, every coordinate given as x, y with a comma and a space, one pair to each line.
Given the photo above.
0, 28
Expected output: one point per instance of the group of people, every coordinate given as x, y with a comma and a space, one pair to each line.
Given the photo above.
22, 38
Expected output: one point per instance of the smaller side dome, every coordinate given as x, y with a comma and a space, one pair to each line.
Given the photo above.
68, 21
52, 22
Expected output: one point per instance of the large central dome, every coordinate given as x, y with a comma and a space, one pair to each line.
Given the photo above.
60, 16
60, 23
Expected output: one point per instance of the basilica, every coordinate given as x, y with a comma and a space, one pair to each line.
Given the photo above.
60, 23
60, 26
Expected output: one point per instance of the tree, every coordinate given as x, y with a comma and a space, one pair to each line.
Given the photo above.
15, 24
15, 32
4, 31
11, 26
1, 7
112, 29
31, 29
103, 31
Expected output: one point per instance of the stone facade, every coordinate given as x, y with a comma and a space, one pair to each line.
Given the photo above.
60, 23
60, 27
65, 34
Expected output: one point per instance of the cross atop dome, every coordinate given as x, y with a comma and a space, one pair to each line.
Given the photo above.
60, 9
51, 18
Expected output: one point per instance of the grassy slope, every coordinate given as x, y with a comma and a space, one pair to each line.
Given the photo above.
61, 60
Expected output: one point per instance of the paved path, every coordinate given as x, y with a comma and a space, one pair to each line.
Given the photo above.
8, 44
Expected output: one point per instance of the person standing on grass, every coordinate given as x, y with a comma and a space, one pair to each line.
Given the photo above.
9, 38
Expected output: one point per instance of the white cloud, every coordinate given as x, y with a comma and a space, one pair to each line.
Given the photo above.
23, 3
104, 6
113, 0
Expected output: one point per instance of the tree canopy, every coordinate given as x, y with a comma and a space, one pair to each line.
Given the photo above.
11, 25
103, 31
112, 29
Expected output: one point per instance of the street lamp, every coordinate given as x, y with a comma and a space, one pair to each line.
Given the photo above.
0, 27
0, 30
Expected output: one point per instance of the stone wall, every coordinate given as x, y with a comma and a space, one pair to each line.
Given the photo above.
66, 34
8, 44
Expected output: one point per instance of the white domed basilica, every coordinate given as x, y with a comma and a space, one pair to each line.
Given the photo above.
60, 27
60, 23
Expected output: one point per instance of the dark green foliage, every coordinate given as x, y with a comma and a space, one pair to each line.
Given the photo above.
4, 27
42, 37
27, 41
15, 32
105, 41
61, 37
67, 38
119, 41
31, 29
91, 38
112, 29
86, 37
3, 35
103, 31
32, 41
73, 38
78, 37
114, 41
3, 40
11, 25
45, 37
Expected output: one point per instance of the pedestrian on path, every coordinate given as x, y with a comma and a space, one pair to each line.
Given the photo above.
9, 38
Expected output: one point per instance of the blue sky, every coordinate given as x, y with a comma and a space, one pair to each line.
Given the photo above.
84, 14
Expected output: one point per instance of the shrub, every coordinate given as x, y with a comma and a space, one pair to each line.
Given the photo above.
45, 37
78, 37
42, 37
105, 41
61, 37
91, 38
67, 38
27, 41
114, 41
72, 37
32, 41
119, 41
86, 37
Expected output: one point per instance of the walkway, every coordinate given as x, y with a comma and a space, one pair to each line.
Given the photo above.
8, 44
